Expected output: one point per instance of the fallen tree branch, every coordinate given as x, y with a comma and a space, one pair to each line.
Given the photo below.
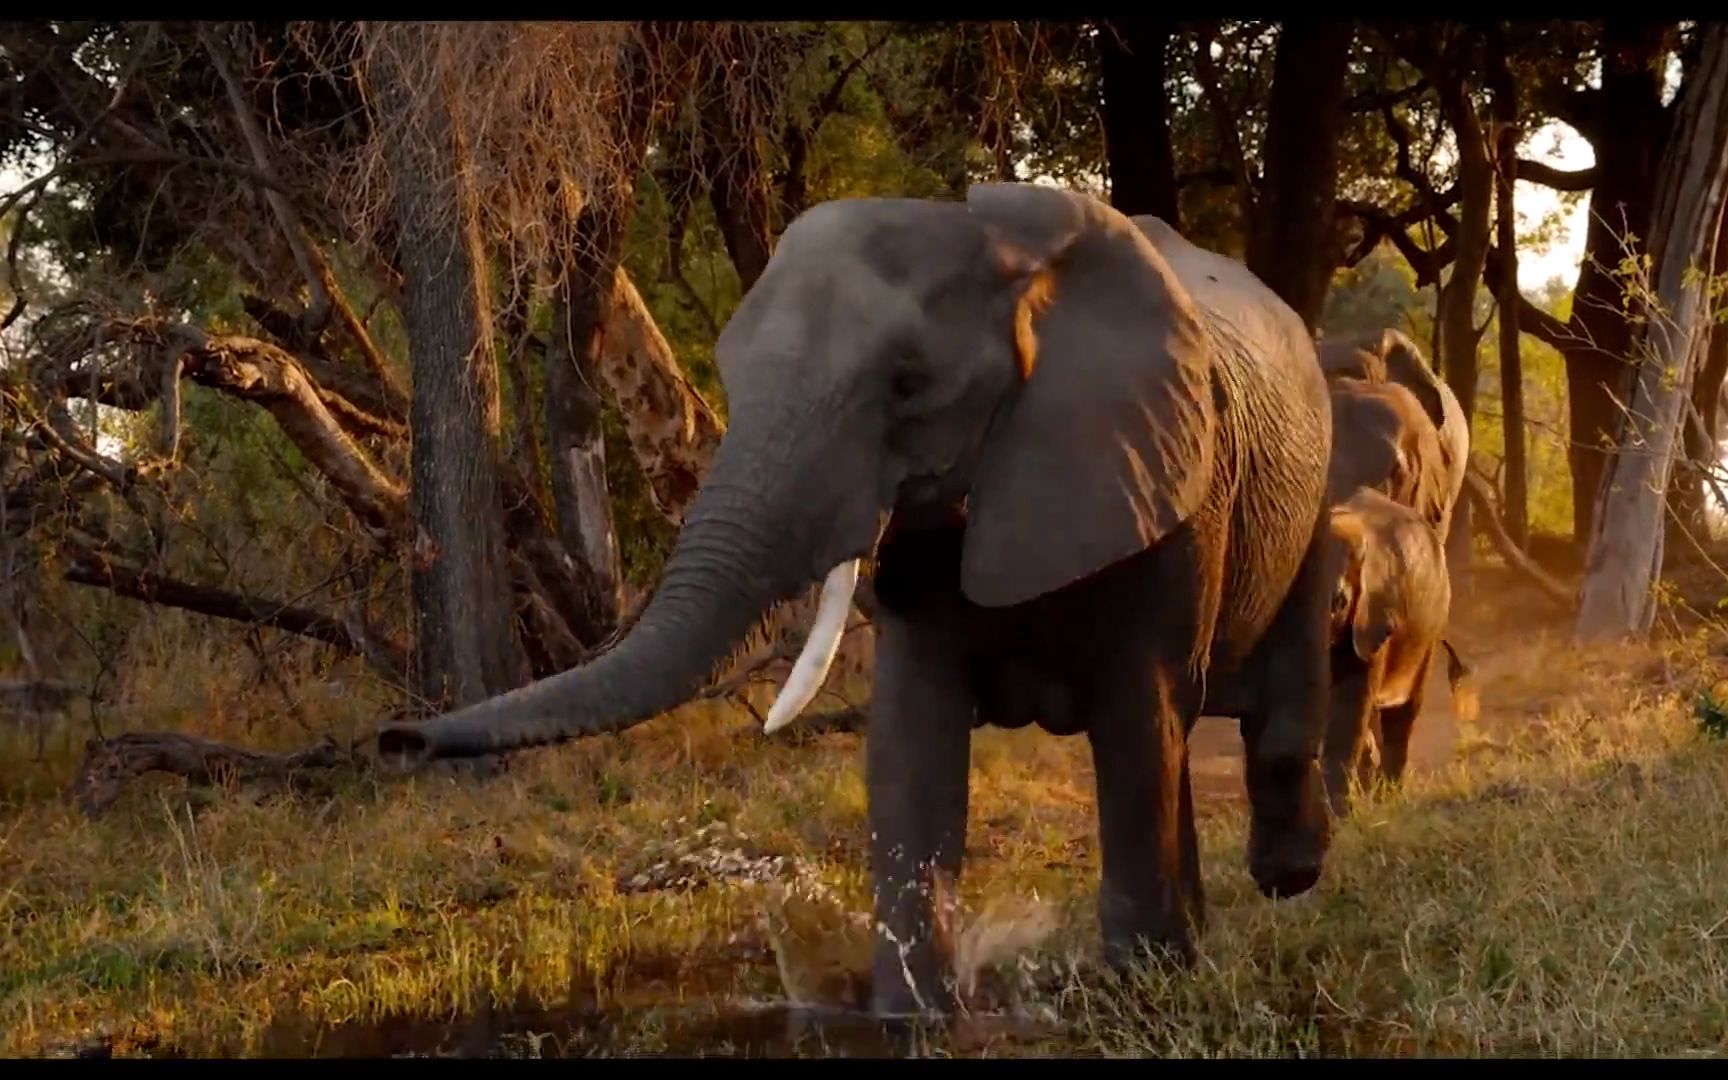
135, 583
272, 377
1488, 517
109, 763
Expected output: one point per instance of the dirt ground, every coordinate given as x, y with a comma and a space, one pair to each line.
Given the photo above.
501, 916
1215, 747
1501, 612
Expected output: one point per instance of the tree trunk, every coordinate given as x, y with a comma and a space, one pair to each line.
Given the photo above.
1142, 163
1505, 89
732, 159
466, 649
1291, 243
1627, 128
1455, 322
1626, 551
578, 455
1686, 496
672, 429
573, 402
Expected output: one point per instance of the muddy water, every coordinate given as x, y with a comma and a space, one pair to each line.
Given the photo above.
740, 1028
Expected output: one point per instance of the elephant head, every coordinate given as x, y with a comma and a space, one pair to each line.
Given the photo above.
1383, 440
1027, 352
1394, 581
1390, 357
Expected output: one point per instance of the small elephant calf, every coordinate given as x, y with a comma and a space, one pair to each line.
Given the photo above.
1388, 615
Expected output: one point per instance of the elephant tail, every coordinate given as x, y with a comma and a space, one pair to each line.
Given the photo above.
1466, 702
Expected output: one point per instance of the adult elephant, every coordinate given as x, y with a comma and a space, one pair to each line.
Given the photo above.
1101, 453
1390, 356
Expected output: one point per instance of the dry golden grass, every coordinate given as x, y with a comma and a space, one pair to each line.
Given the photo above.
1560, 887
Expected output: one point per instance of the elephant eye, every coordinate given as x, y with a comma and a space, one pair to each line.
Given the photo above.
908, 382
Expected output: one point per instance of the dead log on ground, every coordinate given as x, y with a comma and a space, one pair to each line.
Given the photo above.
109, 763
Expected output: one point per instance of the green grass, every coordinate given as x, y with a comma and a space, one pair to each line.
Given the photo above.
1561, 888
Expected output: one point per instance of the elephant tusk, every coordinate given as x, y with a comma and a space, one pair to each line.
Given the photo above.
811, 667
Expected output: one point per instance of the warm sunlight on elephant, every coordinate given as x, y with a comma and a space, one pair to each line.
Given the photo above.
1089, 459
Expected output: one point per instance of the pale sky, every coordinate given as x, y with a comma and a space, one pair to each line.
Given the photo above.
1558, 145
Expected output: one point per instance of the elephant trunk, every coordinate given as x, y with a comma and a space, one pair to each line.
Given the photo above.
742, 550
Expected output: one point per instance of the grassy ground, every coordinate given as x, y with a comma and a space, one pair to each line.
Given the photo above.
1560, 886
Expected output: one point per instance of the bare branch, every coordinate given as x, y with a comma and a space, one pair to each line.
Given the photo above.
800, 133
1379, 225
1488, 517
320, 279
62, 433
1230, 142
1559, 179
102, 570
286, 217
258, 371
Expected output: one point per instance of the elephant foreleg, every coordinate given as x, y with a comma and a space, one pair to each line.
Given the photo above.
1151, 893
1396, 723
916, 760
1345, 755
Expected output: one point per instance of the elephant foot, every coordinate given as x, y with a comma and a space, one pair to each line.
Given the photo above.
1142, 932
908, 988
1171, 949
1340, 792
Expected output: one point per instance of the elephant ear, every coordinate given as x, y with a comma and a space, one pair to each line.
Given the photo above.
1108, 445
1374, 618
1406, 367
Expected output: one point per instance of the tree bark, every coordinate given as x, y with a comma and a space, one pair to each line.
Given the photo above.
573, 403
1132, 64
1627, 134
1291, 243
1686, 495
1455, 323
1505, 90
673, 431
1626, 551
732, 136
466, 648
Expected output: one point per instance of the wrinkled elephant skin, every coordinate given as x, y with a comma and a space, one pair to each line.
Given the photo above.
1089, 461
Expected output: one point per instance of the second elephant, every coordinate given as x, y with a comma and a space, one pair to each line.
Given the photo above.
1389, 485
1389, 356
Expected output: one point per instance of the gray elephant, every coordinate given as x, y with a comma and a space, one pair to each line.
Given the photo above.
1090, 461
1389, 484
1390, 356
